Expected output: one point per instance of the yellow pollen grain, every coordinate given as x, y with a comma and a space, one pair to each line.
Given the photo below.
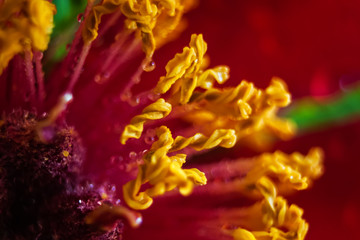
65, 153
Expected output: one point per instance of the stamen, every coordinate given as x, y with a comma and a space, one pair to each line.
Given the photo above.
55, 112
24, 24
29, 70
78, 67
293, 171
154, 111
153, 20
90, 32
283, 217
105, 216
113, 51
162, 173
268, 218
220, 137
39, 75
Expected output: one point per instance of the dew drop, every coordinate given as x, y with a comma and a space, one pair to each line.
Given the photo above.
133, 155
138, 220
134, 101
44, 115
149, 66
149, 140
67, 97
80, 17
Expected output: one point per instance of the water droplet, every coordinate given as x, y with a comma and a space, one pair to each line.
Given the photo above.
149, 140
150, 136
149, 66
138, 220
134, 101
80, 17
67, 97
133, 155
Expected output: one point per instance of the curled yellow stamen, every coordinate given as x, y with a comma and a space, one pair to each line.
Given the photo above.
154, 20
90, 32
268, 218
162, 172
154, 111
24, 24
293, 171
244, 108
185, 73
220, 137
281, 217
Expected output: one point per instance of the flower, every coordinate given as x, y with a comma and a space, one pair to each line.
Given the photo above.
162, 126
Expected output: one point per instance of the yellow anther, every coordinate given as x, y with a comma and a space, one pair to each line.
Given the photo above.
293, 171
24, 24
220, 137
278, 94
154, 111
234, 103
282, 217
65, 153
153, 19
242, 234
273, 218
90, 31
162, 173
220, 74
184, 72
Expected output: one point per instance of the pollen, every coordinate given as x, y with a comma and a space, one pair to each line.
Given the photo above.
154, 111
271, 175
185, 71
65, 153
162, 172
220, 117
24, 25
249, 111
